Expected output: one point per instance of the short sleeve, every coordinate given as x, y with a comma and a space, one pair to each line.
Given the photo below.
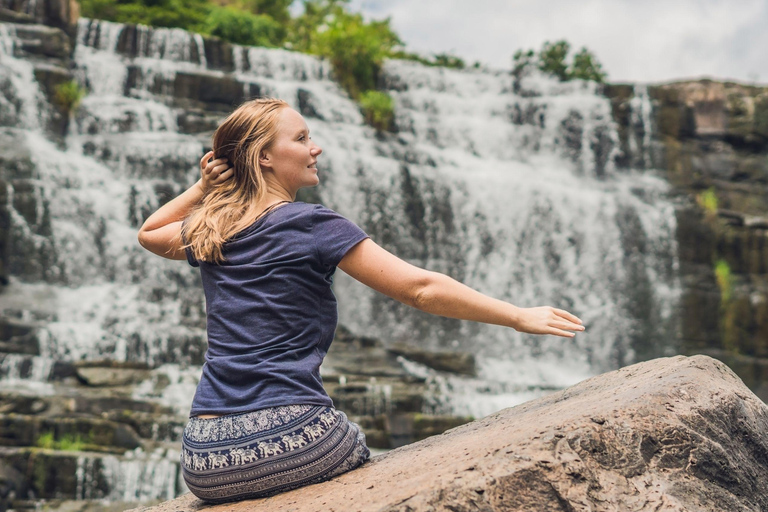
334, 235
190, 257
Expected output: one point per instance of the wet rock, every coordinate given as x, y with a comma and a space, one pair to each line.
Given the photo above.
12, 484
460, 363
43, 41
672, 434
91, 433
21, 404
18, 337
84, 476
111, 376
55, 13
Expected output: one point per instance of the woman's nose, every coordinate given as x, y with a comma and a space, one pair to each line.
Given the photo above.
316, 150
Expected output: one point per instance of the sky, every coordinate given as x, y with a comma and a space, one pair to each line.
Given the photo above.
635, 40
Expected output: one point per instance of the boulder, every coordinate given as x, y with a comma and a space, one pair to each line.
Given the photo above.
672, 434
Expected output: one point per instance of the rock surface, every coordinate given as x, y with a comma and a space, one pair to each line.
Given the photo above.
672, 434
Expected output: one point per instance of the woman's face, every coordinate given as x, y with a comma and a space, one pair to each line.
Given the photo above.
292, 158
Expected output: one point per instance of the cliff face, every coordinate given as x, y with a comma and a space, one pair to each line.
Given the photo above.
711, 141
671, 434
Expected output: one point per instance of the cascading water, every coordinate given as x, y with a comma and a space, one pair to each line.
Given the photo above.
505, 183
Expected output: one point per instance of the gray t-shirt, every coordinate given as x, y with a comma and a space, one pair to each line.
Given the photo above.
271, 312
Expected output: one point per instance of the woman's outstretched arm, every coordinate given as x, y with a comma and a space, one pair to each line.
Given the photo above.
160, 232
439, 294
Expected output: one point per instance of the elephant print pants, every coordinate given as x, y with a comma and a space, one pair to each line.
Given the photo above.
268, 451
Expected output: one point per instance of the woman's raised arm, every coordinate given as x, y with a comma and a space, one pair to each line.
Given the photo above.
160, 233
439, 294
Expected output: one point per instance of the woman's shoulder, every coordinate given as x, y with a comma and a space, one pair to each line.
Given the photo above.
311, 209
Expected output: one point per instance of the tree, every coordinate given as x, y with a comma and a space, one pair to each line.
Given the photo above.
552, 59
586, 67
275, 9
522, 60
242, 27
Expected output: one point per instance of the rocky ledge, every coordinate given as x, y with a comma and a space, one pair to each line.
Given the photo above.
672, 434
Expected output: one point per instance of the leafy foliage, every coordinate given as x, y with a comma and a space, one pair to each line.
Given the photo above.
586, 67
275, 9
186, 14
553, 59
522, 60
708, 200
244, 28
66, 443
441, 59
355, 48
68, 95
724, 279
378, 109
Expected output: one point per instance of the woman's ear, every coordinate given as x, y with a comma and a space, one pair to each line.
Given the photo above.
264, 159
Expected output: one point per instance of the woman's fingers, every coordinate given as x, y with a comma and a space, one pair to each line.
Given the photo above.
568, 326
215, 168
225, 175
205, 159
565, 314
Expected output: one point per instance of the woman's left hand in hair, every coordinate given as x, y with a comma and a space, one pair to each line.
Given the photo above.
214, 172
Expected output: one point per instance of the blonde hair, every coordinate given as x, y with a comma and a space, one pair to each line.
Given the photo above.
229, 208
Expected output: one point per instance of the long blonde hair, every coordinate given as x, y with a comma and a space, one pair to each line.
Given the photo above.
229, 208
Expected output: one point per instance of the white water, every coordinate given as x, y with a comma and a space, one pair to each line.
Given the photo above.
514, 194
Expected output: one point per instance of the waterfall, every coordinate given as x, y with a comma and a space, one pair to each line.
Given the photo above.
512, 190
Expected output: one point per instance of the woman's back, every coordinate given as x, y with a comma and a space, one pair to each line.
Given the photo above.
271, 312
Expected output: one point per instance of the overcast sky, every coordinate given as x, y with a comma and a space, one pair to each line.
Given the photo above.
635, 40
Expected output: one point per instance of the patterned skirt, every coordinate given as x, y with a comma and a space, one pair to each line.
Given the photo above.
265, 452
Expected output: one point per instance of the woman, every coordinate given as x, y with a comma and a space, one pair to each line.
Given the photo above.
261, 422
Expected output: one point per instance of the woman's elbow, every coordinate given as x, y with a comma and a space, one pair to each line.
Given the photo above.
422, 292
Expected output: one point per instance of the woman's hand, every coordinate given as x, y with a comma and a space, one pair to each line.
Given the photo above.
214, 172
548, 320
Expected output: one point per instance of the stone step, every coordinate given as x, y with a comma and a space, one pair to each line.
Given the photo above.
134, 477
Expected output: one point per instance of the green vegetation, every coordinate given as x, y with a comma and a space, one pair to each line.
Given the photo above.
186, 14
66, 443
443, 60
378, 109
708, 200
244, 27
553, 59
728, 308
356, 49
724, 280
68, 95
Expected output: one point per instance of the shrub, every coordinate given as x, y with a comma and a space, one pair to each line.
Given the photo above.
441, 59
66, 443
708, 200
448, 61
724, 280
378, 109
68, 95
